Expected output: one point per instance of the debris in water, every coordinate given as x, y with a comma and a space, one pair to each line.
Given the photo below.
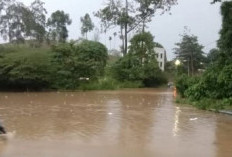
192, 119
110, 113
8, 136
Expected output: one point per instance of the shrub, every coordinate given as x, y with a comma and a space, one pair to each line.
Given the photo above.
182, 84
74, 60
25, 70
153, 76
129, 68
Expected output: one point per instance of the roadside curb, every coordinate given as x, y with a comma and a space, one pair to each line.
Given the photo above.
225, 112
229, 112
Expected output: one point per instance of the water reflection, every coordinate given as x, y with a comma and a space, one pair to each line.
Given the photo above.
3, 144
34, 116
128, 123
137, 112
176, 123
223, 140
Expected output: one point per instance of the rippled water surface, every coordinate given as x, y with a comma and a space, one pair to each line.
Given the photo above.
126, 123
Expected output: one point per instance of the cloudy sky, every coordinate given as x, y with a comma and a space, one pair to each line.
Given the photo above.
202, 18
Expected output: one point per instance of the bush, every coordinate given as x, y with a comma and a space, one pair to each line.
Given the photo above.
129, 68
183, 83
23, 67
214, 88
211, 90
95, 54
212, 84
153, 76
86, 59
25, 70
140, 64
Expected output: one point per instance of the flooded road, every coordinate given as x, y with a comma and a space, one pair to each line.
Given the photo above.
126, 123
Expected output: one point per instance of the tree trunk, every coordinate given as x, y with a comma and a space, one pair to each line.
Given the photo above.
192, 67
125, 48
126, 25
143, 29
122, 38
188, 66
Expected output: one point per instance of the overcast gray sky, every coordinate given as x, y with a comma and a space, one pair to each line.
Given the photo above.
200, 16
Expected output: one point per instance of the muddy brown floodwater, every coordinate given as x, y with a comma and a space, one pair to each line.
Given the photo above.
125, 123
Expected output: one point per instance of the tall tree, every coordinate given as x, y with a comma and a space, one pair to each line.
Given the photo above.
145, 12
57, 24
19, 21
130, 16
225, 40
142, 45
87, 25
190, 52
12, 24
4, 4
117, 13
39, 23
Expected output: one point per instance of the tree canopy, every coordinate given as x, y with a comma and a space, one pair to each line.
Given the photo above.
140, 63
224, 42
87, 25
130, 16
190, 52
19, 22
57, 24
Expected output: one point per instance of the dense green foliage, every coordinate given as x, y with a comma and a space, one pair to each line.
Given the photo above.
19, 22
130, 15
25, 69
28, 62
214, 88
57, 24
140, 63
85, 59
190, 53
87, 25
214, 84
63, 67
212, 56
224, 42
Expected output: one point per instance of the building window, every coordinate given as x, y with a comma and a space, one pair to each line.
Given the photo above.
161, 64
161, 55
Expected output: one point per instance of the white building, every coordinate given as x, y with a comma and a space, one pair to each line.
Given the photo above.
161, 57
